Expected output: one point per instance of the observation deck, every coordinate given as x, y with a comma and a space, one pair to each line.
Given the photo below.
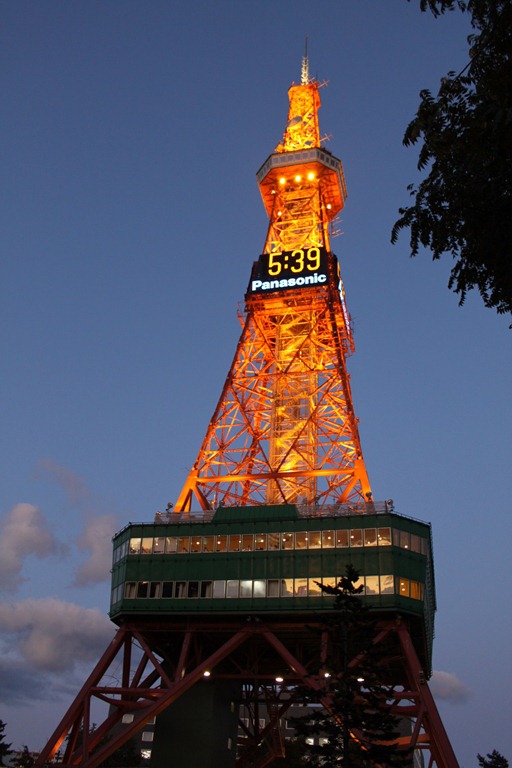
267, 561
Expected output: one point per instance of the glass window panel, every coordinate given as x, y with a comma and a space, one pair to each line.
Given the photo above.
180, 589
219, 588
128, 718
314, 540
396, 537
260, 541
159, 545
415, 590
372, 585
147, 735
370, 537
314, 589
193, 589
234, 543
232, 588
246, 588
171, 544
273, 588
286, 587
273, 540
403, 587
155, 589
384, 537
196, 543
208, 543
301, 540
147, 545
287, 541
258, 588
135, 546
183, 544
387, 585
142, 588
167, 588
423, 546
206, 588
360, 583
130, 589
327, 539
329, 581
356, 537
415, 543
342, 538
301, 587
404, 540
221, 543
247, 542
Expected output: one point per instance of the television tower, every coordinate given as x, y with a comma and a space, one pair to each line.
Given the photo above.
284, 430
219, 601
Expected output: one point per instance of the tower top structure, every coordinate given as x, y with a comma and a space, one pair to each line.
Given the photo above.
284, 430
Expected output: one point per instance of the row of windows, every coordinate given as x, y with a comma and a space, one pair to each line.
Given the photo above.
260, 542
242, 588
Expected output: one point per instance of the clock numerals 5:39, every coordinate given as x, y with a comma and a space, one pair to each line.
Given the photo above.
296, 261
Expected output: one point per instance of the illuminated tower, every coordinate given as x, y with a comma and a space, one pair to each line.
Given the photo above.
219, 602
284, 430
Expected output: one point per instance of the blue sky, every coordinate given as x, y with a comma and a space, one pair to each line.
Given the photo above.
130, 217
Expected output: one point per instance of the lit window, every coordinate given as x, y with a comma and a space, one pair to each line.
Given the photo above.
370, 537
356, 538
128, 718
147, 736
327, 539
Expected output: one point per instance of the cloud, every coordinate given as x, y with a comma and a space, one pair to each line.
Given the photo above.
76, 490
99, 525
96, 539
51, 635
24, 531
447, 686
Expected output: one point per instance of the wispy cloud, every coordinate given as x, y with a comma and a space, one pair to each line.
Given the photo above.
96, 539
76, 490
448, 687
99, 523
24, 531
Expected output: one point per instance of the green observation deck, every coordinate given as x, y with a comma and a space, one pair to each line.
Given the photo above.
270, 560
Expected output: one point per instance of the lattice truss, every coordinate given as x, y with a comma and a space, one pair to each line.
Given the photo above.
284, 430
132, 678
297, 219
302, 129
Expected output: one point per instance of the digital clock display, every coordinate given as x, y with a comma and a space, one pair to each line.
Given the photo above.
289, 269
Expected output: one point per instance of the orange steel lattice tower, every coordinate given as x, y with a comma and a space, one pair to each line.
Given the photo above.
281, 464
284, 430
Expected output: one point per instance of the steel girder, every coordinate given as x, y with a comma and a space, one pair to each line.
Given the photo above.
160, 660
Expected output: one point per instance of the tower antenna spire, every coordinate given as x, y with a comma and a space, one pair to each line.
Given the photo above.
304, 75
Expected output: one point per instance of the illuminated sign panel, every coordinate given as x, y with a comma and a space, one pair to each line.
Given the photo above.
290, 269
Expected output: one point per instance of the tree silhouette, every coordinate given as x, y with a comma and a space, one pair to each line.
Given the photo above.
349, 722
493, 759
5, 749
464, 205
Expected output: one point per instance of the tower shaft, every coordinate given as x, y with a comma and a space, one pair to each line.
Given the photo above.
284, 430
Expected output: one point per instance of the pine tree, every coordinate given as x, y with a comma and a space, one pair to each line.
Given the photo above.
5, 749
25, 759
493, 759
350, 719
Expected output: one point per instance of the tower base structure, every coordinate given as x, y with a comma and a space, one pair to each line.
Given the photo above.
213, 635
